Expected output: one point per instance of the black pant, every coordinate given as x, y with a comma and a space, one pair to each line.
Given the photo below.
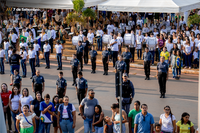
79, 57
13, 44
9, 117
127, 61
93, 60
80, 95
86, 57
132, 50
147, 68
162, 82
105, 64
60, 92
38, 87
157, 55
117, 80
51, 44
114, 56
74, 73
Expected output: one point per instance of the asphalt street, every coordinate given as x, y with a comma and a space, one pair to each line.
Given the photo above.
181, 96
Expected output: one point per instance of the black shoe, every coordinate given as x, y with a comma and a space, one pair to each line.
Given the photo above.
73, 84
46, 67
58, 68
36, 66
104, 73
2, 73
94, 72
146, 78
31, 77
163, 95
79, 113
81, 69
43, 59
23, 76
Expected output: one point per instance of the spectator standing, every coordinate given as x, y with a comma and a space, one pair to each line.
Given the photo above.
2, 58
161, 44
25, 99
74, 68
47, 52
147, 57
59, 53
93, 53
38, 83
108, 128
32, 59
97, 123
151, 44
114, 43
105, 60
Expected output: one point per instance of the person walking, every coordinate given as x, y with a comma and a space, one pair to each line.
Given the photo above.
32, 59
74, 68
162, 76
59, 53
105, 60
88, 104
127, 58
37, 50
80, 53
61, 85
151, 44
24, 58
93, 53
114, 43
47, 52
147, 57
38, 83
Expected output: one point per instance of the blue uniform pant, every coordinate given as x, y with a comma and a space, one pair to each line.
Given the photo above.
126, 104
1, 65
6, 54
37, 58
66, 126
153, 53
114, 56
32, 65
46, 55
13, 67
23, 65
99, 43
139, 53
188, 59
59, 59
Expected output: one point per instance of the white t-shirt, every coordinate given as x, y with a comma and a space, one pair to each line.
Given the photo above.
122, 26
6, 45
31, 54
196, 42
15, 101
169, 46
139, 22
46, 48
188, 48
25, 101
24, 55
9, 53
23, 44
14, 38
58, 48
110, 29
43, 37
172, 31
2, 53
36, 47
99, 33
120, 39
23, 122
145, 29
163, 31
151, 41
195, 54
90, 37
114, 47
167, 124
65, 114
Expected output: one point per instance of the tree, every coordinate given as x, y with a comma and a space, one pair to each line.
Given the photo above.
194, 19
78, 5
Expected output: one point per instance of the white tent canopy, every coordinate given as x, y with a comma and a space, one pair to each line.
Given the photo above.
164, 6
55, 4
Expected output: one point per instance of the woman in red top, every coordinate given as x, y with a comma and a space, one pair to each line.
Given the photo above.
5, 93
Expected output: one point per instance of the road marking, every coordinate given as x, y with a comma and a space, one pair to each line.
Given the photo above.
79, 130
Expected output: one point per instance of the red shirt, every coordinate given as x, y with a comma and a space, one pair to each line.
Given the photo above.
5, 97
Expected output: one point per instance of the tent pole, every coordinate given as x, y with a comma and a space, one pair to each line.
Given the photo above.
199, 101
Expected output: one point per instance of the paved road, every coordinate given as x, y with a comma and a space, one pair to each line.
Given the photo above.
182, 95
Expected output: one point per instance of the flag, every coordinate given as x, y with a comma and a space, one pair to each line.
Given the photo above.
22, 37
44, 118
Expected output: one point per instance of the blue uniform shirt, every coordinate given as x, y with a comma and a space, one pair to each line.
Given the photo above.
61, 83
147, 56
144, 122
120, 65
38, 79
16, 79
79, 49
74, 62
126, 55
81, 83
93, 53
162, 67
105, 53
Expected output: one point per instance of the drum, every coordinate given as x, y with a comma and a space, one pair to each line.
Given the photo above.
106, 39
127, 39
75, 40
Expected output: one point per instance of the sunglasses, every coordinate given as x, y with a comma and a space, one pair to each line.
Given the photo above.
92, 93
167, 109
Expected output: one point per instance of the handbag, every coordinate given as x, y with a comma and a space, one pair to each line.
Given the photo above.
27, 120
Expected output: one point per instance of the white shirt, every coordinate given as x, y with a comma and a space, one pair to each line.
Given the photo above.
167, 124
120, 39
34, 34
196, 32
31, 54
172, 31
65, 113
188, 49
23, 44
169, 46
155, 33
23, 122
145, 29
9, 53
131, 23
2, 53
133, 39
29, 39
196, 42
25, 101
151, 41
24, 55
58, 48
43, 37
15, 101
122, 26
36, 47
99, 33
195, 54
53, 34
46, 48
163, 31
0, 38
14, 38
139, 40
110, 28
139, 22
115, 46
6, 45
26, 34
137, 32
90, 37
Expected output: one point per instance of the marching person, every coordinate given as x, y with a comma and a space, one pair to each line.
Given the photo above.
52, 37
74, 68
13, 38
86, 45
128, 93
43, 36
81, 87
151, 44
93, 53
23, 61
127, 58
2, 57
37, 50
59, 52
105, 60
80, 53
32, 59
162, 75
17, 80
114, 48
61, 85
147, 57
23, 43
6, 48
38, 84
47, 49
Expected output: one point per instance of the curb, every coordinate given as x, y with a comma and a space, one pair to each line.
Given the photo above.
186, 71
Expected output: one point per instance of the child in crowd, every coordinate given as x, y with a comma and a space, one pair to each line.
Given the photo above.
173, 63
108, 128
55, 118
195, 58
165, 53
179, 63
97, 125
157, 128
17, 80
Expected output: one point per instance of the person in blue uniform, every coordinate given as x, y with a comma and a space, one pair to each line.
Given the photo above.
17, 79
38, 83
93, 53
80, 53
127, 58
147, 57
74, 68
61, 85
105, 60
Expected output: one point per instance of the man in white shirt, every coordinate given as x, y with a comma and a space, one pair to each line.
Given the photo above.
80, 36
151, 44
131, 24
37, 50
110, 28
99, 40
2, 57
32, 59
43, 36
23, 44
33, 30
114, 48
6, 47
90, 36
13, 37
59, 51
47, 49
133, 45
24, 55
24, 32
140, 22
51, 37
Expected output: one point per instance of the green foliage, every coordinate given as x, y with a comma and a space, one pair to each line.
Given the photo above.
78, 5
89, 13
194, 19
72, 18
